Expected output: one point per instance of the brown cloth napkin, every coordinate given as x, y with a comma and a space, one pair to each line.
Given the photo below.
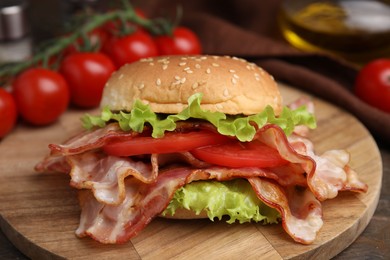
248, 29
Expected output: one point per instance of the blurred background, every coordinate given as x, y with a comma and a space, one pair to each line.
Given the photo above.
356, 30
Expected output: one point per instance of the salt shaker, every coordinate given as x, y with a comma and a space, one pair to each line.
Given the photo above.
15, 42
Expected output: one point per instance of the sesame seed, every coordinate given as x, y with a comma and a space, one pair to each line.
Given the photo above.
183, 58
165, 66
186, 68
182, 63
158, 82
236, 76
239, 59
189, 71
120, 76
197, 66
203, 82
215, 57
174, 83
177, 77
232, 71
218, 106
195, 85
252, 64
141, 85
215, 65
257, 76
234, 81
203, 58
226, 92
208, 71
146, 59
183, 80
162, 60
151, 64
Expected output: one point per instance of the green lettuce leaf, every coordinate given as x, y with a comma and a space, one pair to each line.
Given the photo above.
235, 199
240, 126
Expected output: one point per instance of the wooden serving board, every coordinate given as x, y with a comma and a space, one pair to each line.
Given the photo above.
39, 212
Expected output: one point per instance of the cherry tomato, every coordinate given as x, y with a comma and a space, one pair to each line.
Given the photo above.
86, 74
97, 37
372, 84
169, 143
8, 112
41, 95
130, 48
183, 41
236, 154
113, 27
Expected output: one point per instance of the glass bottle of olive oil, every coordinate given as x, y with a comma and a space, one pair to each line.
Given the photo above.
357, 30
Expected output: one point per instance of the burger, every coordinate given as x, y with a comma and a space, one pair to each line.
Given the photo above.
198, 137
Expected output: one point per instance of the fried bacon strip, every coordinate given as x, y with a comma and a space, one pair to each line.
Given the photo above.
88, 140
331, 173
301, 212
118, 224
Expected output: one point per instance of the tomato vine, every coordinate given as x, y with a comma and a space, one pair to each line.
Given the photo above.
56, 46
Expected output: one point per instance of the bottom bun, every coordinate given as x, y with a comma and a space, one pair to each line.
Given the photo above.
183, 213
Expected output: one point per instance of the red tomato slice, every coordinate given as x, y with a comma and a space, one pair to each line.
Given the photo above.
171, 142
237, 154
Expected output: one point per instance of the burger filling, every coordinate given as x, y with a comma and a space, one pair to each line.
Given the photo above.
133, 166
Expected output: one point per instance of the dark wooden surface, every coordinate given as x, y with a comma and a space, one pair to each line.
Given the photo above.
373, 243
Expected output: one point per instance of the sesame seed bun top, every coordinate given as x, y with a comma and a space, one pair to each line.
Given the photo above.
229, 85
